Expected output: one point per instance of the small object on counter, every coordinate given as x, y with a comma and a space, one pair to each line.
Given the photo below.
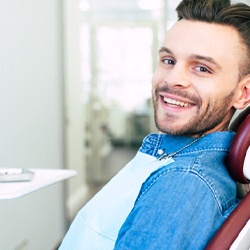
15, 174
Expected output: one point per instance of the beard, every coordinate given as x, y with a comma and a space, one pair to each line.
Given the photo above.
203, 120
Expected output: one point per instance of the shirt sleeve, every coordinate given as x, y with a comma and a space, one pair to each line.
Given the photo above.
177, 210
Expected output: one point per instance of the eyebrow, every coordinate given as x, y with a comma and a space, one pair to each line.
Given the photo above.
193, 56
207, 59
164, 49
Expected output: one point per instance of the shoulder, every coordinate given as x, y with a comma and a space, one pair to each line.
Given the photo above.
172, 208
196, 175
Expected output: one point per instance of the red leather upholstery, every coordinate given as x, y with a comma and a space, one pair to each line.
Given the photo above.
235, 125
239, 146
231, 228
229, 231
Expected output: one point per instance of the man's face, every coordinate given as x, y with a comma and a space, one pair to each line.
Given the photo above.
195, 81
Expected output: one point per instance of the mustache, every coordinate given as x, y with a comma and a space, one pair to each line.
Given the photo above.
181, 93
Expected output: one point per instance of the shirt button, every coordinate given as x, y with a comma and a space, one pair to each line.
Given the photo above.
160, 151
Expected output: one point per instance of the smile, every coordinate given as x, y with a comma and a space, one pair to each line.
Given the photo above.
175, 102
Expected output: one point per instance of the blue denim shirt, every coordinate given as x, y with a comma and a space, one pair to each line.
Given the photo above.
166, 204
181, 205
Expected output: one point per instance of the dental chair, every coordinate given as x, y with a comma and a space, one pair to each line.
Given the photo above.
234, 234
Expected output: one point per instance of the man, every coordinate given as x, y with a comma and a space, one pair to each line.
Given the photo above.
176, 192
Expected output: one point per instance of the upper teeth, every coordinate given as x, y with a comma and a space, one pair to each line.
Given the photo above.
171, 101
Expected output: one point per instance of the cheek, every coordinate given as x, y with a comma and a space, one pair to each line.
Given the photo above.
154, 83
156, 79
208, 90
212, 95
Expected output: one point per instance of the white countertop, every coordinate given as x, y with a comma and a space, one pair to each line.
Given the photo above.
41, 179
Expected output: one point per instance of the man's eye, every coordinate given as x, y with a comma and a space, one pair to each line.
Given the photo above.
168, 61
202, 69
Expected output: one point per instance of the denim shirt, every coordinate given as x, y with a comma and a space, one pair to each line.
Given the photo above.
182, 205
160, 204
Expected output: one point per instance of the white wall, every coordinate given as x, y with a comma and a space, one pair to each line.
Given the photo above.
31, 118
74, 108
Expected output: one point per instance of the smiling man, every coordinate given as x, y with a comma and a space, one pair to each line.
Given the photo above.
177, 192
201, 79
195, 85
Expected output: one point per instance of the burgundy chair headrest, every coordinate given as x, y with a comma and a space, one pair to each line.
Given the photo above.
240, 145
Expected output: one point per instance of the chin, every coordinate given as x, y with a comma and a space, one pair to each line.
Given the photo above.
169, 130
177, 130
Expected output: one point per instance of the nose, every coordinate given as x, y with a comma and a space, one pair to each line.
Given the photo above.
178, 76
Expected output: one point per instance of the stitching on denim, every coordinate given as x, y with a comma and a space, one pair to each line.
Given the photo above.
189, 151
223, 208
210, 184
155, 179
158, 142
197, 162
153, 142
148, 143
189, 170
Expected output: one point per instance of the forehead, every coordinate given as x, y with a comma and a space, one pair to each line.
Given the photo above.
221, 42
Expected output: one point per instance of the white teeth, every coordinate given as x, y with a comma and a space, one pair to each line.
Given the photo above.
174, 102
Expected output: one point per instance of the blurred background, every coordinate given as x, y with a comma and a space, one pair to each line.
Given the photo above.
75, 93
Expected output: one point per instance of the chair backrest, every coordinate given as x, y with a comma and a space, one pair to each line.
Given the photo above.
239, 147
238, 168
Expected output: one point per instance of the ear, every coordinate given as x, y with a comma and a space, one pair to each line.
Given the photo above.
243, 95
